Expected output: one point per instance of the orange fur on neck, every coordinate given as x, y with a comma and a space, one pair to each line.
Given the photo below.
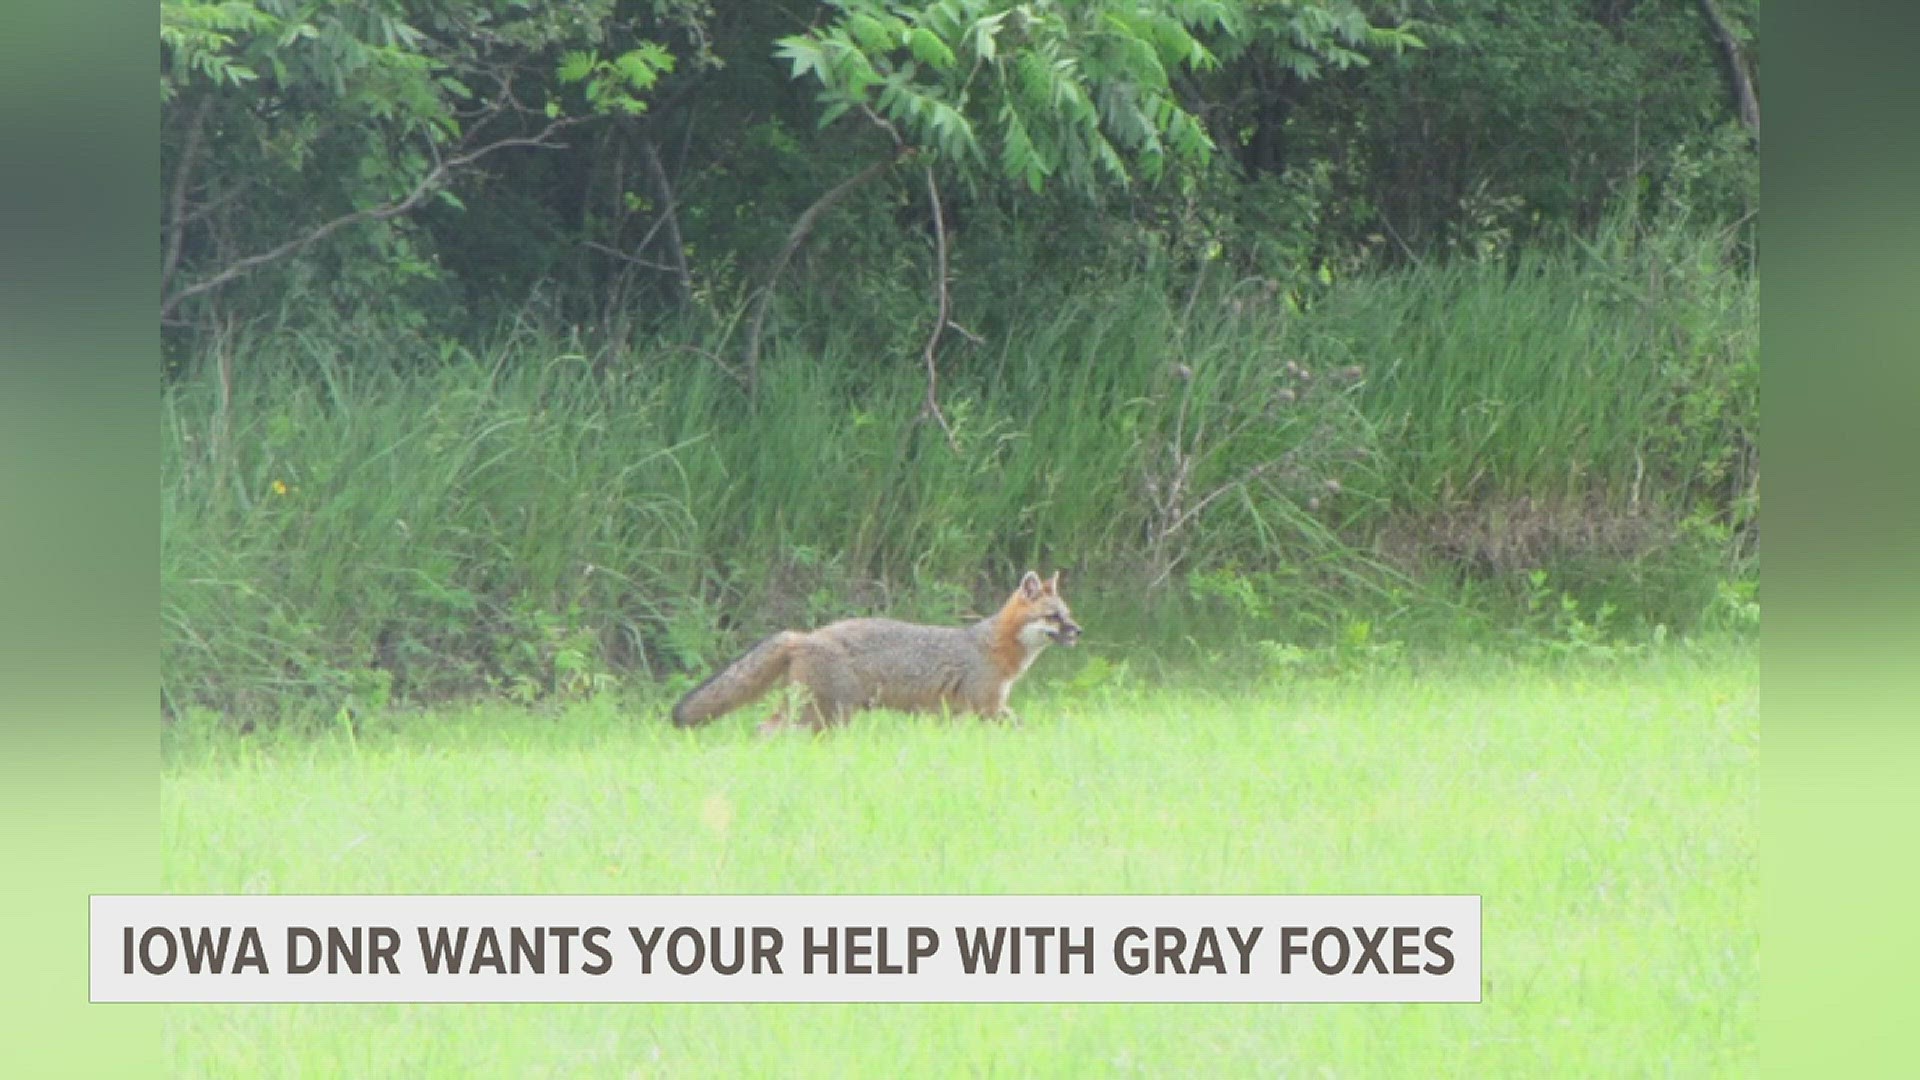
1009, 656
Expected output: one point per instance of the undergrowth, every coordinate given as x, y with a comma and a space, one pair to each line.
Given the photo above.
1554, 451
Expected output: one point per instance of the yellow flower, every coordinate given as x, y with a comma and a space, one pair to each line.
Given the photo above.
716, 813
279, 487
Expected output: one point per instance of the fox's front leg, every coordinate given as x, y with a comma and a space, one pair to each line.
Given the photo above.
991, 705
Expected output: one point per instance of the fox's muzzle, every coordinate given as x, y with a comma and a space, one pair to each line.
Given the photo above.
1068, 634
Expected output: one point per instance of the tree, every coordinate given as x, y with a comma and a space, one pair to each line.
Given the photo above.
1746, 100
1096, 95
320, 117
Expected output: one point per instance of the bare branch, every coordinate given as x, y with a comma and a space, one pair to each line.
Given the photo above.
627, 256
795, 237
899, 144
216, 202
427, 185
732, 372
932, 407
658, 173
972, 338
177, 205
1391, 231
1206, 500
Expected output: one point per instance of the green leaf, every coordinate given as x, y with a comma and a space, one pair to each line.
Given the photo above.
641, 67
983, 34
929, 49
834, 111
869, 32
803, 56
575, 66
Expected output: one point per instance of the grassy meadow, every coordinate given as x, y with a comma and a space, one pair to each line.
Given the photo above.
1604, 807
1434, 579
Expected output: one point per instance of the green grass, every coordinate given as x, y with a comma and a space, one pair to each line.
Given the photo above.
1606, 811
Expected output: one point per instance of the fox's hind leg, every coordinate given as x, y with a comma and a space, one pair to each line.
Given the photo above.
778, 722
833, 692
795, 698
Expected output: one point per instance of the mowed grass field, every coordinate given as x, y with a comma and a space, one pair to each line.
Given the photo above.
1605, 811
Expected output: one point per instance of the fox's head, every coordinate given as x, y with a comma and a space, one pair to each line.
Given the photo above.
1042, 614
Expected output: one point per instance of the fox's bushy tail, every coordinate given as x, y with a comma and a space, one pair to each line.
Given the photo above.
739, 683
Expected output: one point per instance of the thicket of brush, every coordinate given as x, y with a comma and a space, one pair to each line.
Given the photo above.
1563, 441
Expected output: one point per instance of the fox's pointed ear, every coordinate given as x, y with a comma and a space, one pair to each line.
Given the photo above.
1053, 583
1030, 586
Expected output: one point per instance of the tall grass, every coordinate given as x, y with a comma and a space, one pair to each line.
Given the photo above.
1563, 375
465, 523
531, 516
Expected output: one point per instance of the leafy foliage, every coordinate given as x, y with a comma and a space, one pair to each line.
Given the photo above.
1089, 92
283, 116
614, 85
1285, 137
198, 38
1323, 307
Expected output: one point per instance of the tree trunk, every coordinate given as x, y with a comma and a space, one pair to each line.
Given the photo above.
1744, 99
177, 202
663, 190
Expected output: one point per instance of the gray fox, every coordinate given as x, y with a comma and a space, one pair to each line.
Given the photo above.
880, 663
